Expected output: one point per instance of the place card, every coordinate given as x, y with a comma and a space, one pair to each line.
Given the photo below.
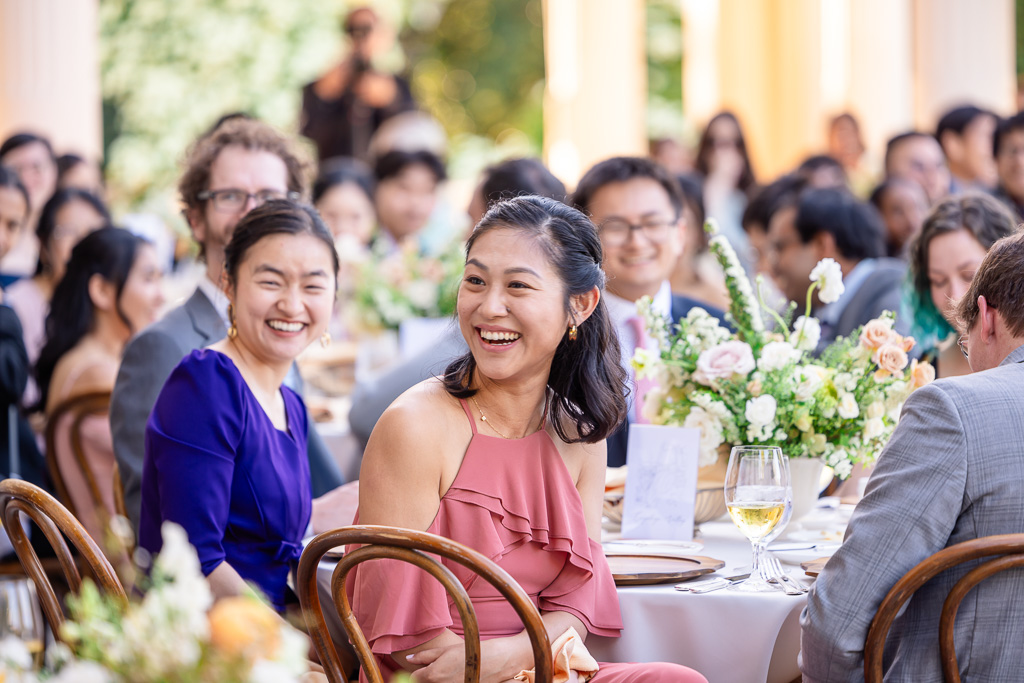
661, 487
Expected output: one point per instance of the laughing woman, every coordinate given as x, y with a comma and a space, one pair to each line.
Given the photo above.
226, 442
506, 454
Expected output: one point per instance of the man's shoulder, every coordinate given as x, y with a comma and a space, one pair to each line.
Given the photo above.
681, 305
1002, 382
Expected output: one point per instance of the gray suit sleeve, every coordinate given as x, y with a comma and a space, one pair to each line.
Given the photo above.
148, 361
914, 498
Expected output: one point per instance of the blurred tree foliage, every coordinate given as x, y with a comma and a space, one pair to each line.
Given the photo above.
664, 70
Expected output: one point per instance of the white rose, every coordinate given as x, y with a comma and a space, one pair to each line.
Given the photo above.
848, 408
761, 410
809, 379
876, 409
711, 436
873, 428
806, 333
829, 278
777, 355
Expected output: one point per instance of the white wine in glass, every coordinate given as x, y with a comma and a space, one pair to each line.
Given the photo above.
758, 495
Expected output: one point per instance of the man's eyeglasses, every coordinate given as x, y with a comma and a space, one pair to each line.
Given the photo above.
962, 343
615, 231
233, 201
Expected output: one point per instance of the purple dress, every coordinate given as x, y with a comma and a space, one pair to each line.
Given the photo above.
216, 465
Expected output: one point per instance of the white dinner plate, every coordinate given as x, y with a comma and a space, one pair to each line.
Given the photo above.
651, 547
797, 552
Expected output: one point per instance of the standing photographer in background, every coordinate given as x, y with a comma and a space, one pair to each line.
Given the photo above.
342, 109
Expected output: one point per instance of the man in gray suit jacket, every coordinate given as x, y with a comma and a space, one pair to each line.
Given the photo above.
232, 169
953, 471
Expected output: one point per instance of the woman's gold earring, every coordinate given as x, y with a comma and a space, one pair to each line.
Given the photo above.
232, 330
572, 333
325, 339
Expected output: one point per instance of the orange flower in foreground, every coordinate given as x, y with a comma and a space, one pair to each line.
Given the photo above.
240, 625
921, 373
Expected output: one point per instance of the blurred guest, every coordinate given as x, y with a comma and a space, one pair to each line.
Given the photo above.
673, 155
846, 145
226, 442
1008, 145
31, 156
240, 165
965, 134
343, 195
830, 223
766, 202
956, 235
917, 156
723, 161
342, 109
822, 170
697, 274
67, 217
76, 171
902, 204
512, 178
110, 291
407, 191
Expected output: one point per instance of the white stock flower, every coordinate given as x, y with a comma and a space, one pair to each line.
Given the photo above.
829, 278
83, 672
848, 408
809, 379
843, 469
806, 333
777, 355
760, 411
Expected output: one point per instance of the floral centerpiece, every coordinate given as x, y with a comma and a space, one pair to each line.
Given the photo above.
406, 284
767, 387
174, 634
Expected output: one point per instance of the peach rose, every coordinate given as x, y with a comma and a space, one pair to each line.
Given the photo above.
891, 360
240, 625
876, 334
907, 343
921, 373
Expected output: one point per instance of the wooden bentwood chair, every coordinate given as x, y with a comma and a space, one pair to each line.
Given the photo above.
409, 546
55, 521
79, 408
1008, 550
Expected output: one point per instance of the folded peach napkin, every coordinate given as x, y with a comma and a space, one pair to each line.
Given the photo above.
573, 662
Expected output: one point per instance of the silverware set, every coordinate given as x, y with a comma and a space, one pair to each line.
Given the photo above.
773, 567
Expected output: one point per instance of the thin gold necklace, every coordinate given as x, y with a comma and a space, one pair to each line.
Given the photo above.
483, 418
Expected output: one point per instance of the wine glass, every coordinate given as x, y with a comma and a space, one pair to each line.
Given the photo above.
758, 494
22, 615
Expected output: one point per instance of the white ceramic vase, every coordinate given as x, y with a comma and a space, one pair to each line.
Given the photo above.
805, 475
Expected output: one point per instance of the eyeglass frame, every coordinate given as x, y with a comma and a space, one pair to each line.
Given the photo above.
206, 195
664, 223
962, 343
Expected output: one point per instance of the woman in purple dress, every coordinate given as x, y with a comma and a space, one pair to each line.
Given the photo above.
226, 442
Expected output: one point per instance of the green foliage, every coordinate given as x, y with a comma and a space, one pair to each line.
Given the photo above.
664, 69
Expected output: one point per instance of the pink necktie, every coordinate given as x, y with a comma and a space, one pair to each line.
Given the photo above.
640, 386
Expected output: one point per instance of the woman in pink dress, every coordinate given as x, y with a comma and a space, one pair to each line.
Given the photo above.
506, 454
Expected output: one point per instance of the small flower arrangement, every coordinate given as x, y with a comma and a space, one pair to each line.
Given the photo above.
174, 634
406, 284
755, 386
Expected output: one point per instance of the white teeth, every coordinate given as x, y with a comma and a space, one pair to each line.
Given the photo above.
499, 336
285, 327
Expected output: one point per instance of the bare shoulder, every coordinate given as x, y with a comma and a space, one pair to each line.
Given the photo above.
580, 458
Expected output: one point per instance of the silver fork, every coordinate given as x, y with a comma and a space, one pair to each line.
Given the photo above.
779, 576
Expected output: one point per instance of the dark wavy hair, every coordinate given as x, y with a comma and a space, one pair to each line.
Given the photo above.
48, 219
587, 378
746, 181
110, 253
9, 179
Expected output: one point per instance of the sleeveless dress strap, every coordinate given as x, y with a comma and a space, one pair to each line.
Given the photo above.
469, 414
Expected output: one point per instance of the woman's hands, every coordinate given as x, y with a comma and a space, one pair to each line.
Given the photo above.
448, 662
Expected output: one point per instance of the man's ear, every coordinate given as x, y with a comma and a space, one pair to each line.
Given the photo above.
583, 305
196, 223
986, 319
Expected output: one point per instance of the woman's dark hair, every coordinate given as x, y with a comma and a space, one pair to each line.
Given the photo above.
517, 177
48, 219
343, 171
706, 144
108, 252
20, 140
276, 217
9, 179
393, 163
692, 188
587, 378
979, 214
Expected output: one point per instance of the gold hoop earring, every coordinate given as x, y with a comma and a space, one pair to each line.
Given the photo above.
572, 333
232, 330
325, 339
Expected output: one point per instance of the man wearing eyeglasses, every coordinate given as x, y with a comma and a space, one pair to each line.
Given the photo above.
237, 166
637, 208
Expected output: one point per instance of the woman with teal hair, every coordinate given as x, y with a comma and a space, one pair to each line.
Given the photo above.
943, 258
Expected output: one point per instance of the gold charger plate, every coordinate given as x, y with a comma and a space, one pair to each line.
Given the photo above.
814, 567
645, 570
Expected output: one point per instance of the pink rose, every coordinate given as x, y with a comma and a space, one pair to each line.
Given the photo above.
724, 361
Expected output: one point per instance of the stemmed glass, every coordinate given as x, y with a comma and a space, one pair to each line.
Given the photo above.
758, 495
21, 615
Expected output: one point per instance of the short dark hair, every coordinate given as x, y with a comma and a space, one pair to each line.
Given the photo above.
856, 226
48, 219
587, 377
770, 199
20, 140
897, 140
812, 164
957, 119
1000, 279
391, 164
621, 170
278, 216
517, 177
343, 171
692, 187
10, 179
1005, 127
